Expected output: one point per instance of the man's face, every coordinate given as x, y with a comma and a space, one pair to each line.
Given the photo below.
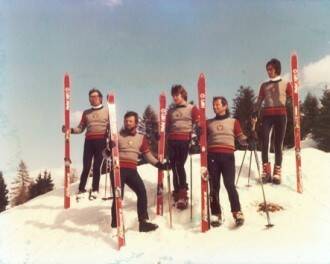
178, 99
130, 123
219, 108
94, 99
271, 71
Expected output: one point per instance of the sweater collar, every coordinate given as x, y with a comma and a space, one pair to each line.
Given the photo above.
97, 107
221, 117
275, 80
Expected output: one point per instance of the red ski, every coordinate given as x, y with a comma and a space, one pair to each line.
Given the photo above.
296, 119
161, 151
204, 173
67, 160
116, 169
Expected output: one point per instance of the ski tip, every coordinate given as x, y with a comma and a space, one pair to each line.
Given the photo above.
111, 98
201, 75
66, 80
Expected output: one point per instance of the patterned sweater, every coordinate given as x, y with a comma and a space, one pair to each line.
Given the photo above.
180, 120
131, 145
273, 95
96, 123
221, 134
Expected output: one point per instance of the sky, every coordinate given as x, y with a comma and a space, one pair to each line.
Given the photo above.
137, 49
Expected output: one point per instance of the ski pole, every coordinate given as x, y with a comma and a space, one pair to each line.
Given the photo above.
191, 186
248, 185
240, 168
263, 191
169, 196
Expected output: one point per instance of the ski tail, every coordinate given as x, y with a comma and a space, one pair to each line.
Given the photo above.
296, 119
67, 160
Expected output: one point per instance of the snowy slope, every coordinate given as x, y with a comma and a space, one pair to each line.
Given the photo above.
41, 231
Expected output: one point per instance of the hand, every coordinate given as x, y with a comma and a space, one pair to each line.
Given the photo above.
254, 115
63, 129
111, 144
157, 136
163, 166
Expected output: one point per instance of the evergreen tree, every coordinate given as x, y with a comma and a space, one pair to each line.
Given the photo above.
321, 131
19, 191
3, 194
149, 127
243, 107
42, 184
310, 111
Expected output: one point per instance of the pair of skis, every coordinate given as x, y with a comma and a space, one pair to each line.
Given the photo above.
113, 133
161, 149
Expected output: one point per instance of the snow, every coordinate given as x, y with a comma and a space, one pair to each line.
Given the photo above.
41, 231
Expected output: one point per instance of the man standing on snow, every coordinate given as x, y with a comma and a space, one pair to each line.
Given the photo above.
179, 126
96, 122
131, 144
273, 94
221, 133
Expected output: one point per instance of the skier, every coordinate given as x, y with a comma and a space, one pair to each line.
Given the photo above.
96, 122
221, 133
273, 94
179, 125
131, 145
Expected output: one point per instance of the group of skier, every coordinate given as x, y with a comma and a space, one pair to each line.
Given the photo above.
181, 119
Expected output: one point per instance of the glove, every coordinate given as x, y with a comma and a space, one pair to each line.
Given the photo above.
163, 166
111, 144
63, 129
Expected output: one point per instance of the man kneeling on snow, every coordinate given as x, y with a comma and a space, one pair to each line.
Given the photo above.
131, 145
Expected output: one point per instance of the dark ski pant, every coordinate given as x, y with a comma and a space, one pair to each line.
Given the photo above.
92, 150
278, 123
222, 164
178, 153
133, 180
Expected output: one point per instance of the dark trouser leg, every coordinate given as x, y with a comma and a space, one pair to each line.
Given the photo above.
98, 147
227, 163
279, 127
178, 153
123, 177
87, 162
214, 181
134, 181
267, 123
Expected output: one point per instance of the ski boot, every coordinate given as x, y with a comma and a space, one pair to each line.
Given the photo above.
277, 175
175, 197
216, 220
145, 226
93, 195
182, 203
239, 218
266, 173
80, 195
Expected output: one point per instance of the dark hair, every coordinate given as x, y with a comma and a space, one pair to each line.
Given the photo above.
276, 64
179, 89
223, 102
94, 90
132, 113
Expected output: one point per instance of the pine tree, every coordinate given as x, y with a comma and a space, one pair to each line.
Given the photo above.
321, 131
243, 107
42, 184
20, 189
149, 123
310, 111
3, 194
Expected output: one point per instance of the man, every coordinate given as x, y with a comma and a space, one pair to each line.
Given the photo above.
179, 126
273, 95
221, 134
96, 122
131, 144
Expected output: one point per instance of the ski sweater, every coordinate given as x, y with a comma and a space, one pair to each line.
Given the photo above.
96, 123
221, 134
131, 145
273, 95
180, 120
